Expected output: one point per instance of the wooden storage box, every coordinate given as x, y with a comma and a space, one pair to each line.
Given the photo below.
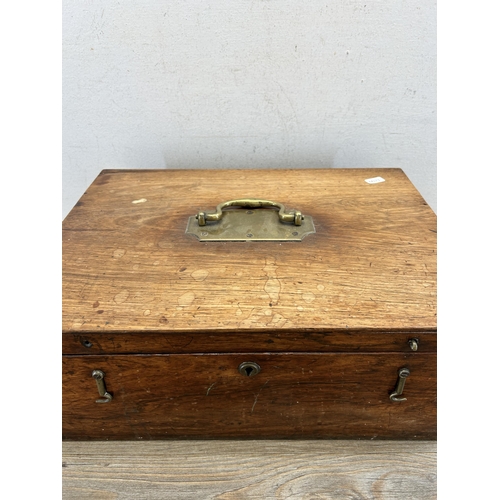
328, 336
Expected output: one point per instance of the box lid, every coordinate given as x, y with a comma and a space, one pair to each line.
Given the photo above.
129, 266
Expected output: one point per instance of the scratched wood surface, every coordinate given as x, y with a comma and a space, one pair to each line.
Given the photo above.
128, 265
233, 470
294, 396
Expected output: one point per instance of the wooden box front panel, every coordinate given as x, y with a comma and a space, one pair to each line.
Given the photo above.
320, 395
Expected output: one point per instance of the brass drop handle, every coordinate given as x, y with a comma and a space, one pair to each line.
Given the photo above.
403, 374
98, 376
292, 216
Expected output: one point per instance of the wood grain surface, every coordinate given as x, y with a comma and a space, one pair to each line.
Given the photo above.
272, 341
295, 395
128, 265
260, 470
169, 318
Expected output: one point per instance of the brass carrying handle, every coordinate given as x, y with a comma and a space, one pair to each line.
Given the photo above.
292, 216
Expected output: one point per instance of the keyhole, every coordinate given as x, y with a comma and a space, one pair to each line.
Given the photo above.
249, 368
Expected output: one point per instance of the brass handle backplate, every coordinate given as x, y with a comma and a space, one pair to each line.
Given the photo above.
251, 224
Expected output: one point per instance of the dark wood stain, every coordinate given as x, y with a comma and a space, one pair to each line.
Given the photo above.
294, 396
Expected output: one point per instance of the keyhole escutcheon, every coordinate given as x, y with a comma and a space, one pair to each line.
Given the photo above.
249, 368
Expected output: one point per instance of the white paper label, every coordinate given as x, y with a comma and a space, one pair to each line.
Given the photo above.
374, 180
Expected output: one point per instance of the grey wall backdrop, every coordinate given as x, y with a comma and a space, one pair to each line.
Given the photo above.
248, 84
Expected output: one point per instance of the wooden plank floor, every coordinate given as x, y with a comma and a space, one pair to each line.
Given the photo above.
230, 470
